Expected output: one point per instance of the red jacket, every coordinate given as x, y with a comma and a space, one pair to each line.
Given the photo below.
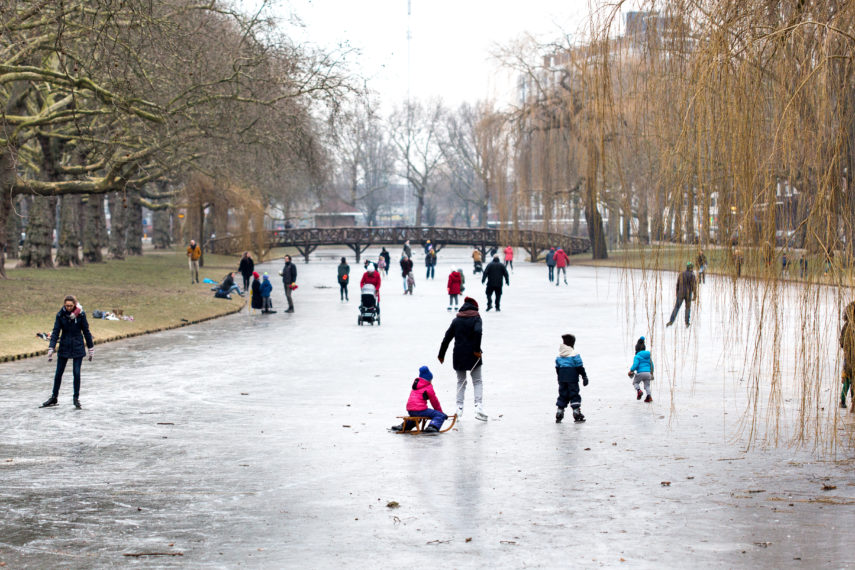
509, 253
454, 283
373, 278
421, 394
561, 258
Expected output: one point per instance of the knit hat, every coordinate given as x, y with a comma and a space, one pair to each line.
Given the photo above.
641, 338
255, 274
471, 301
424, 373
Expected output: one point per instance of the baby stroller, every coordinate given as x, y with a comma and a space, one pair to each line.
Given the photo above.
369, 306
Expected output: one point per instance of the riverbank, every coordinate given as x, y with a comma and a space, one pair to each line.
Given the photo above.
154, 288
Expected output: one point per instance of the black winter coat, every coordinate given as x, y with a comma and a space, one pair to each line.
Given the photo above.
289, 273
73, 333
227, 283
466, 332
246, 267
493, 274
406, 267
256, 302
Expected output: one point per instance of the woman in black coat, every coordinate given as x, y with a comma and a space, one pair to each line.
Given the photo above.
71, 329
246, 267
255, 299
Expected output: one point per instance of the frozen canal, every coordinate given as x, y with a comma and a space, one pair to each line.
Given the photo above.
260, 441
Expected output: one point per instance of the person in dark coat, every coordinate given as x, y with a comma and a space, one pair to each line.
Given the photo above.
550, 263
687, 290
246, 267
71, 329
228, 285
343, 278
388, 258
430, 263
568, 369
406, 269
256, 301
466, 330
494, 273
289, 278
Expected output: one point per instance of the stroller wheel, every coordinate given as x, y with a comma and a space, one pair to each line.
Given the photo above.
359, 320
378, 320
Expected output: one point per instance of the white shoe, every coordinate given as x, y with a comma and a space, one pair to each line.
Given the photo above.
479, 414
459, 413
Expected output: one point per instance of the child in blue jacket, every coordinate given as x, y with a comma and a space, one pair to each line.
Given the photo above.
568, 367
642, 370
266, 290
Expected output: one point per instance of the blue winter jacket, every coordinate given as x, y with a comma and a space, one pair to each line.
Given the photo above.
266, 287
570, 368
642, 362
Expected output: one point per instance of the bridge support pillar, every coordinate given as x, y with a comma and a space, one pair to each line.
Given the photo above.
358, 249
306, 250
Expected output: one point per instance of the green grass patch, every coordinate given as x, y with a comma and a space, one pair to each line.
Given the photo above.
155, 288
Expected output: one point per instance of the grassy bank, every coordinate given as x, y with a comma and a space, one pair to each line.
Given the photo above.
154, 288
719, 261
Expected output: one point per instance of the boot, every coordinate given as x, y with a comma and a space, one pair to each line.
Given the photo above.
639, 394
399, 427
431, 429
52, 401
559, 415
577, 415
648, 399
76, 403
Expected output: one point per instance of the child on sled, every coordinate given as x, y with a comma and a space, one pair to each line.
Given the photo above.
421, 393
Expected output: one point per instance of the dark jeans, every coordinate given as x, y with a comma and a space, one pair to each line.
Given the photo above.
558, 275
551, 272
60, 368
430, 272
436, 418
490, 291
509, 263
246, 281
568, 392
452, 300
677, 309
343, 290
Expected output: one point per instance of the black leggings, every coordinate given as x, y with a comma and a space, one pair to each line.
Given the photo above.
60, 368
343, 290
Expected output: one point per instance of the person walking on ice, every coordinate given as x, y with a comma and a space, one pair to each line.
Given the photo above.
466, 330
642, 370
494, 273
71, 329
421, 394
454, 287
561, 260
509, 257
687, 290
568, 368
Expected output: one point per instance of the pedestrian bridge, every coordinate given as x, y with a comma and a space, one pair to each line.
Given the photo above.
306, 240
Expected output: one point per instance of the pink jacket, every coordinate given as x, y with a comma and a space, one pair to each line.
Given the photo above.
509, 253
422, 392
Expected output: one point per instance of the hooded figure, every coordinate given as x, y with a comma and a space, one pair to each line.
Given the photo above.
371, 276
256, 301
466, 330
422, 392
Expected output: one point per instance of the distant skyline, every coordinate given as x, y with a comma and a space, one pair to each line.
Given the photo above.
451, 41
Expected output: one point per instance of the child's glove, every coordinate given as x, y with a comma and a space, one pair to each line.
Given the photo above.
585, 381
50, 354
91, 354
631, 373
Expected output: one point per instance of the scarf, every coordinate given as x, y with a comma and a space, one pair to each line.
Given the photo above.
566, 351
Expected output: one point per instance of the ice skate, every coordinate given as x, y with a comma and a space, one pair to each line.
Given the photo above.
648, 399
638, 394
76, 403
52, 401
479, 414
577, 415
559, 415
459, 412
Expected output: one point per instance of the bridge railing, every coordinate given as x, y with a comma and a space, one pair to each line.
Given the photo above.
306, 240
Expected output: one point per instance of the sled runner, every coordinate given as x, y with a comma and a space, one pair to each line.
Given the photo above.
421, 423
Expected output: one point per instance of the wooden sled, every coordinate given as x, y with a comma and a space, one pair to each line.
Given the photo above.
421, 423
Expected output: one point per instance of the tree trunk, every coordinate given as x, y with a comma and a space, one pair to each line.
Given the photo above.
40, 224
577, 214
94, 228
13, 225
599, 248
643, 230
5, 208
67, 254
133, 226
420, 206
118, 207
160, 229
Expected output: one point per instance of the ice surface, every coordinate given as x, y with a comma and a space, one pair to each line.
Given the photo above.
261, 440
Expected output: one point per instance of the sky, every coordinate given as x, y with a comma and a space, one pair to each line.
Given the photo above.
451, 41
